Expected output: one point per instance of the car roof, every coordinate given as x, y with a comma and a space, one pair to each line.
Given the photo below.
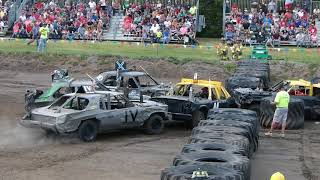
84, 95
299, 82
203, 83
77, 83
125, 73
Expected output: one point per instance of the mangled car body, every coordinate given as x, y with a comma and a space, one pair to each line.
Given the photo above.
90, 114
133, 80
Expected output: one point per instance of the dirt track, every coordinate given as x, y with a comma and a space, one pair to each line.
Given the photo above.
28, 154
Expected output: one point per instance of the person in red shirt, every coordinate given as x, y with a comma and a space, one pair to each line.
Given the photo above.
29, 28
38, 5
312, 29
288, 15
283, 23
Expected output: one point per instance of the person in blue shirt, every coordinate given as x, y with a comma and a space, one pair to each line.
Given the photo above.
166, 36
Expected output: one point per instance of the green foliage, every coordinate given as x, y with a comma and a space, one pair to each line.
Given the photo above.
230, 67
213, 12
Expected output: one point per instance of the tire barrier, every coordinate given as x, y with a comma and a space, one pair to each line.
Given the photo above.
221, 146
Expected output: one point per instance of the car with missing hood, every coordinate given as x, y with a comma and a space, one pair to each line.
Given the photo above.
90, 114
192, 99
134, 80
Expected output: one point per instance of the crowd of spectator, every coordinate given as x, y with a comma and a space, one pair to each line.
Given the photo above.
4, 14
267, 23
85, 21
160, 23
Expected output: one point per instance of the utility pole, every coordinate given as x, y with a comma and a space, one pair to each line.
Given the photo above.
224, 17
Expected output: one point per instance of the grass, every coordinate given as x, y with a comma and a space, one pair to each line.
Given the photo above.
206, 51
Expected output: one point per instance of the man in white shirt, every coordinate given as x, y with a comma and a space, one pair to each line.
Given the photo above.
155, 27
272, 6
1, 25
103, 4
92, 5
167, 23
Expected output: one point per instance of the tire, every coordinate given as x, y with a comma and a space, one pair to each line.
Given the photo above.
214, 172
235, 123
219, 159
228, 131
255, 108
295, 119
197, 116
236, 111
154, 125
231, 123
222, 129
243, 82
88, 131
208, 147
216, 137
235, 117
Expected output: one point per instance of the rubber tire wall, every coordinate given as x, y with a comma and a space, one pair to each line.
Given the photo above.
216, 173
295, 119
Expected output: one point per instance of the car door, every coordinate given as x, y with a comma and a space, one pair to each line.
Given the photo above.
119, 114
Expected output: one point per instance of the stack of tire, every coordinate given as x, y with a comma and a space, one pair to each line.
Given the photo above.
222, 145
250, 74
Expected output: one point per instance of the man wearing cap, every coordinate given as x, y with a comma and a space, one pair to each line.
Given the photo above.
280, 115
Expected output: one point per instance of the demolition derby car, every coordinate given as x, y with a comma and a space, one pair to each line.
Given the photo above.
90, 114
134, 80
191, 100
61, 84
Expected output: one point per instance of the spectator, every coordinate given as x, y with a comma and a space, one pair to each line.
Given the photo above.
300, 39
35, 32
159, 36
2, 25
92, 6
272, 6
155, 27
116, 6
103, 4
166, 36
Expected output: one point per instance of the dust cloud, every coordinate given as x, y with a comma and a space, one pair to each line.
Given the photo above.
15, 136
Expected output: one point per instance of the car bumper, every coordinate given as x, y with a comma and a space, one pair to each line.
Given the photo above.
38, 124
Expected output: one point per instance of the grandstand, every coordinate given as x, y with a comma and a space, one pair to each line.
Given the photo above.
273, 22
156, 21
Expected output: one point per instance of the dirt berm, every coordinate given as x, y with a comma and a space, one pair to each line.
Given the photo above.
160, 68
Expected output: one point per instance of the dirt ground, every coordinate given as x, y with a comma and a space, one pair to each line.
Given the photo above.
29, 154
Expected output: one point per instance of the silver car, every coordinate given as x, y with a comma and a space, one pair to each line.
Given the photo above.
90, 114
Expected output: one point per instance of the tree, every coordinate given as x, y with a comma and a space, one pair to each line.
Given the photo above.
213, 12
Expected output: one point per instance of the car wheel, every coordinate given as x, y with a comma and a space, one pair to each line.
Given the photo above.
88, 131
154, 125
197, 116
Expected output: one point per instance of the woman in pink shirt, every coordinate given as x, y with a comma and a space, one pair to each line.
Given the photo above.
183, 30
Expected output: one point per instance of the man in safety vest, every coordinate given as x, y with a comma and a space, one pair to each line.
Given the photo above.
222, 49
277, 176
280, 115
199, 175
236, 50
44, 33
